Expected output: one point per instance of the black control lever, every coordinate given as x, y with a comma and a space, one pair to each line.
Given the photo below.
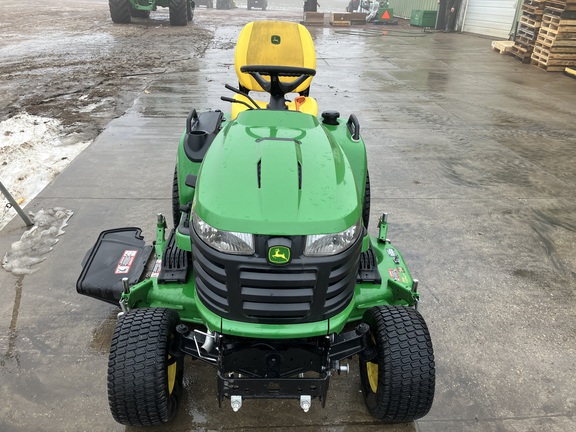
227, 99
238, 91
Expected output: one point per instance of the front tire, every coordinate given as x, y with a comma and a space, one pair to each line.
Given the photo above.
144, 373
178, 12
398, 385
120, 11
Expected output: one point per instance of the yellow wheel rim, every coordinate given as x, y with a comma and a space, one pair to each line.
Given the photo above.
171, 374
372, 372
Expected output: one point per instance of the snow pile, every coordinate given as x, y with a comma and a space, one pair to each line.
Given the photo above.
33, 150
37, 241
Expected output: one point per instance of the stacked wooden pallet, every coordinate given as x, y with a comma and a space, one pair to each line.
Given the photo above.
530, 21
314, 18
345, 19
340, 19
555, 44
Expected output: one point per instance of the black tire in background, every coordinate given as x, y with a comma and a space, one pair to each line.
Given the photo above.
120, 11
144, 377
178, 12
176, 213
190, 6
399, 385
366, 205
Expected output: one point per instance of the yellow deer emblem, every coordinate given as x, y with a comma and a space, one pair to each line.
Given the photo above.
279, 255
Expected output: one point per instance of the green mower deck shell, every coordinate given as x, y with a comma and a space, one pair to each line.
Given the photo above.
395, 289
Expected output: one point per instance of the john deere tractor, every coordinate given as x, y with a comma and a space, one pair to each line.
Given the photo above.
122, 11
269, 273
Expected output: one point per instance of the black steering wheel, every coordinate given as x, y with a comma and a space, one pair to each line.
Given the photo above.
275, 87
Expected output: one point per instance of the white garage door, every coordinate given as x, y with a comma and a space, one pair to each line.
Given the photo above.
490, 17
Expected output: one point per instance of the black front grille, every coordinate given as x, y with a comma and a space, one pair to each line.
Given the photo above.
261, 298
249, 289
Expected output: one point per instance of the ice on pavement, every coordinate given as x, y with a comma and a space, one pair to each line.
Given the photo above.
37, 241
33, 150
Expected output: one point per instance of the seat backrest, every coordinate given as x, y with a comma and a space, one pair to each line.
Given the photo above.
274, 43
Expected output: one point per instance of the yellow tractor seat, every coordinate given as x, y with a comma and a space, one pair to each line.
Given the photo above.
274, 43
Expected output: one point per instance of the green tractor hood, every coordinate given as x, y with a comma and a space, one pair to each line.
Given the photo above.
286, 176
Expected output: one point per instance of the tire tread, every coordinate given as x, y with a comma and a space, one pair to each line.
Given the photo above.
137, 391
406, 379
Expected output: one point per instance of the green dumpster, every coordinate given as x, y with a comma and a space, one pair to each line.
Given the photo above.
423, 18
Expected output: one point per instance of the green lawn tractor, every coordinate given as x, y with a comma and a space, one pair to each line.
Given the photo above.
269, 273
122, 11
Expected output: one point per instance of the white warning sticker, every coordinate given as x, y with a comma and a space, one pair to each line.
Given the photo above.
156, 269
125, 262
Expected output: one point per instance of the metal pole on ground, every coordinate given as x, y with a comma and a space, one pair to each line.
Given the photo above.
14, 204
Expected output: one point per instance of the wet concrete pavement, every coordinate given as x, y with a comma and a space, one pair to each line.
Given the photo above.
471, 153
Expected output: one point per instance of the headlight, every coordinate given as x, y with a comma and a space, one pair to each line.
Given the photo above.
225, 241
331, 244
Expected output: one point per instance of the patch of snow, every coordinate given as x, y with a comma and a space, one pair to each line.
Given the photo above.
91, 107
33, 150
37, 241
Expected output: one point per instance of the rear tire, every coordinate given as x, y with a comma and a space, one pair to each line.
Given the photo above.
398, 386
120, 11
178, 12
366, 205
176, 213
144, 376
190, 6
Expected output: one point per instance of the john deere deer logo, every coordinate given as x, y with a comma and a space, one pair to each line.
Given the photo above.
278, 255
275, 39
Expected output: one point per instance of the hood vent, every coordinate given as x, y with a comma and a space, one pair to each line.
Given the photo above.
259, 174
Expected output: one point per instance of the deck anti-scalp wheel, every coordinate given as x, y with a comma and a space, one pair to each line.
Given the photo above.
398, 386
144, 374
